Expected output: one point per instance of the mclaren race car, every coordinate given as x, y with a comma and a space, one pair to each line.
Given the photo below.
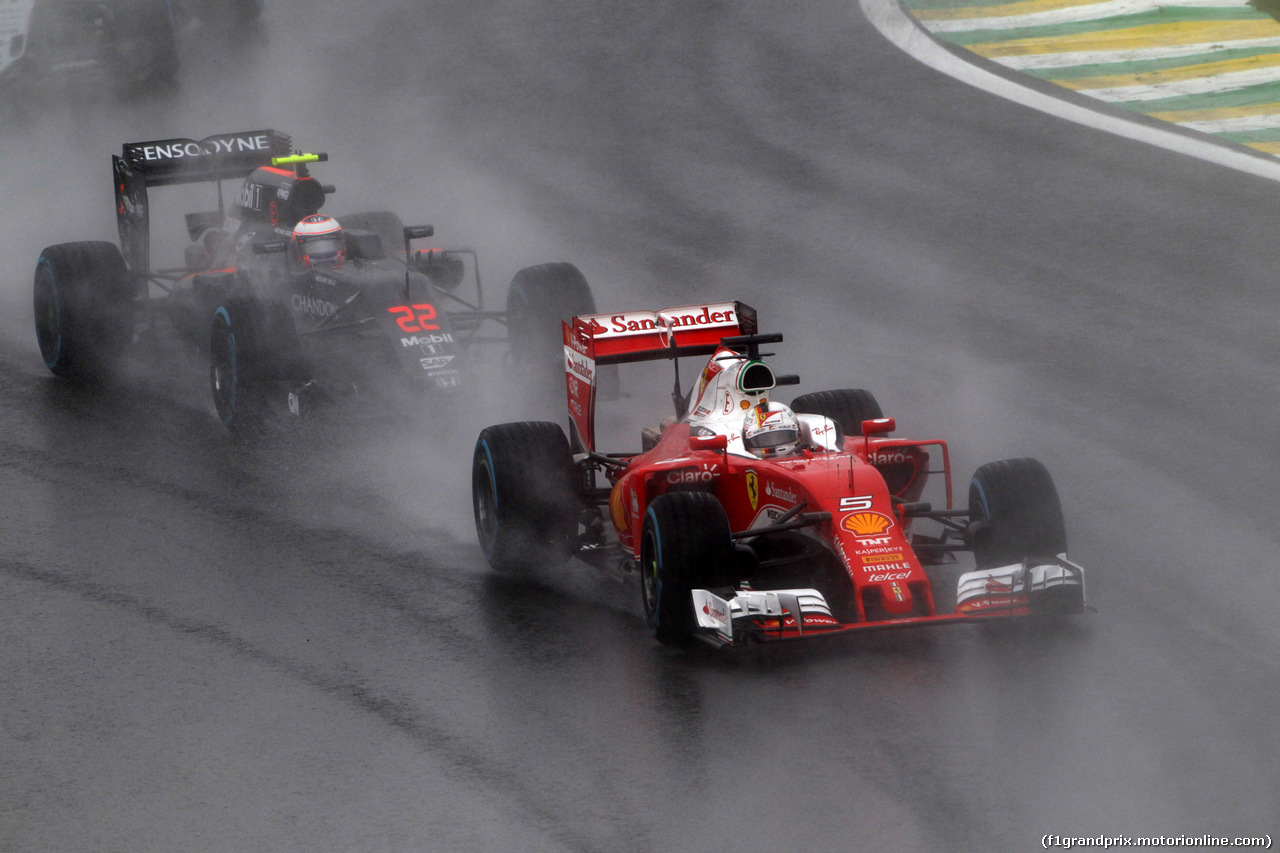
86, 48
748, 520
284, 328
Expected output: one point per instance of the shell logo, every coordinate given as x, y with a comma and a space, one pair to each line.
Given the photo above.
866, 523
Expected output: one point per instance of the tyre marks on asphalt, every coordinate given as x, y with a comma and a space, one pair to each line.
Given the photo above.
1211, 66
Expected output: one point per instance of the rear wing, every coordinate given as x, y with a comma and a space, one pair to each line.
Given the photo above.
594, 340
226, 156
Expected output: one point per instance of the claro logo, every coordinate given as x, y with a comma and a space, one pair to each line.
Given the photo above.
683, 476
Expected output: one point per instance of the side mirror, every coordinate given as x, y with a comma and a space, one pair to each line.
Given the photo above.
417, 232
878, 426
709, 442
270, 247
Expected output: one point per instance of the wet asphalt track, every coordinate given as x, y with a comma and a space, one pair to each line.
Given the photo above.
298, 646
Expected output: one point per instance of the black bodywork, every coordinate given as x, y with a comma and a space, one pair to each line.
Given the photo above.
82, 49
388, 319
392, 320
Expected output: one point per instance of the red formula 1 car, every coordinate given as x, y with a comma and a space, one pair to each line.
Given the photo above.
751, 520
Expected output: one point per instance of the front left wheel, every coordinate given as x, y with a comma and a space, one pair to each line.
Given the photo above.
1015, 513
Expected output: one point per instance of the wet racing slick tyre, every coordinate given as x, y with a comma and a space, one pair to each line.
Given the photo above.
84, 308
848, 407
146, 37
538, 299
684, 545
524, 495
1014, 513
254, 352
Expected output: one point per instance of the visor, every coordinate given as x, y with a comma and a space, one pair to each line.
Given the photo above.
323, 248
770, 439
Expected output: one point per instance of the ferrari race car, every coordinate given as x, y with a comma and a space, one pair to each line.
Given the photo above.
92, 46
751, 521
380, 320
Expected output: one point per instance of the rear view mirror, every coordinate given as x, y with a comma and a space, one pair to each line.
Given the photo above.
709, 442
417, 232
270, 247
878, 426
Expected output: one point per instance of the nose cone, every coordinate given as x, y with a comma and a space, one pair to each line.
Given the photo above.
896, 596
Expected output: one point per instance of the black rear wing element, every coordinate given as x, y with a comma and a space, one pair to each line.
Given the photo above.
164, 162
216, 158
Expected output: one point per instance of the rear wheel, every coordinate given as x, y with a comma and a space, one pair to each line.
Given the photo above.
848, 407
523, 495
83, 299
538, 299
1015, 513
684, 545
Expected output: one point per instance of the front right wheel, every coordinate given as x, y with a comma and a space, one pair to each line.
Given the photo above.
253, 349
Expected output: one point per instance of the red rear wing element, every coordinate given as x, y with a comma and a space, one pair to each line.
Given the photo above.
599, 339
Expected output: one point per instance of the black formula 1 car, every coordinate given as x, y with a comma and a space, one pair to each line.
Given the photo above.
749, 521
88, 47
390, 321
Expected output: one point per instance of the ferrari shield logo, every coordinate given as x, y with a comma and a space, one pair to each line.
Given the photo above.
753, 488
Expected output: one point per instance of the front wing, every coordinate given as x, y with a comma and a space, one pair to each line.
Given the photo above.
1032, 587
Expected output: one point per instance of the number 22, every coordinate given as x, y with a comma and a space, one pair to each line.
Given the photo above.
415, 322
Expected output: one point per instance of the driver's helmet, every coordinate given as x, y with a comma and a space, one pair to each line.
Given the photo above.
770, 430
319, 242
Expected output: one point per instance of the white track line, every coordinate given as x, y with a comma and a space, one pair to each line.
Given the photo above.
901, 29
1068, 15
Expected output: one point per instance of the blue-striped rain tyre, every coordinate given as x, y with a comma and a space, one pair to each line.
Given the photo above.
684, 545
84, 303
524, 495
848, 407
1014, 513
253, 352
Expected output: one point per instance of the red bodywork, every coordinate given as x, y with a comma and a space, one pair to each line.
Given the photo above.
853, 503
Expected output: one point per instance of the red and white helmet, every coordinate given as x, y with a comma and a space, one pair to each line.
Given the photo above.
319, 241
770, 430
